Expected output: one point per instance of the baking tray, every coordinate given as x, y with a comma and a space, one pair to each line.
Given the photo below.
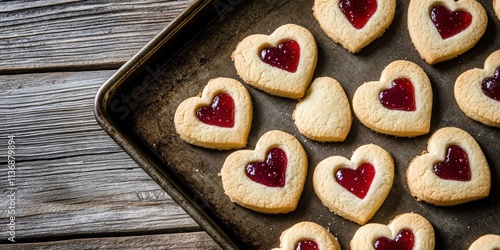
136, 107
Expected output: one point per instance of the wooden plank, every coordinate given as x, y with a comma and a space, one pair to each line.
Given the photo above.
57, 34
196, 240
71, 179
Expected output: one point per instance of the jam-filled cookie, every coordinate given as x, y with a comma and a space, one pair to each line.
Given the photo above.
307, 235
354, 23
477, 92
324, 113
356, 188
405, 232
219, 119
268, 179
280, 64
444, 29
454, 170
486, 242
399, 104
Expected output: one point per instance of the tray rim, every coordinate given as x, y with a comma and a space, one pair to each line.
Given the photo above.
138, 154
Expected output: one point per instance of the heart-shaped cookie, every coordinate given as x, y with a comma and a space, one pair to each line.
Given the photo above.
486, 242
477, 92
399, 104
356, 188
354, 23
220, 118
307, 235
324, 113
444, 29
405, 232
280, 64
454, 170
268, 179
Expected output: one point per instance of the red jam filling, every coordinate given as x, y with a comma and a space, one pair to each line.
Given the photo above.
271, 172
306, 245
356, 181
286, 56
358, 12
491, 86
401, 96
456, 165
403, 241
449, 23
219, 113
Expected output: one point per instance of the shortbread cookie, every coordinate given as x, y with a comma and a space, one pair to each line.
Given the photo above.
356, 188
220, 118
496, 8
477, 92
405, 232
399, 104
268, 179
444, 29
354, 23
453, 171
486, 242
280, 64
307, 235
324, 114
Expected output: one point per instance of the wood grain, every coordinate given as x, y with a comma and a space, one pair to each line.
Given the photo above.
71, 178
65, 34
196, 240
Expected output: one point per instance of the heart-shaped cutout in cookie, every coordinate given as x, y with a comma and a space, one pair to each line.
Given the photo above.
354, 23
307, 236
280, 64
324, 113
220, 118
457, 186
268, 179
441, 30
477, 92
405, 232
356, 188
399, 104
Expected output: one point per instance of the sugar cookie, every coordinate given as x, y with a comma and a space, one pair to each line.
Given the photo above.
399, 104
356, 188
453, 171
444, 29
354, 23
477, 92
280, 64
307, 235
486, 242
268, 179
324, 113
220, 118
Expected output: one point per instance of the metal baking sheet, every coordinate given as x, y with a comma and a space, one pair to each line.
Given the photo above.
136, 107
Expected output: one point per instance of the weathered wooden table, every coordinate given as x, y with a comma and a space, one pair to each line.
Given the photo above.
72, 186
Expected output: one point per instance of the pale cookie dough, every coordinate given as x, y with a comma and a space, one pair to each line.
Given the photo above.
496, 8
194, 131
370, 111
486, 242
337, 26
470, 96
426, 38
324, 113
426, 185
273, 80
258, 197
343, 202
307, 231
421, 229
